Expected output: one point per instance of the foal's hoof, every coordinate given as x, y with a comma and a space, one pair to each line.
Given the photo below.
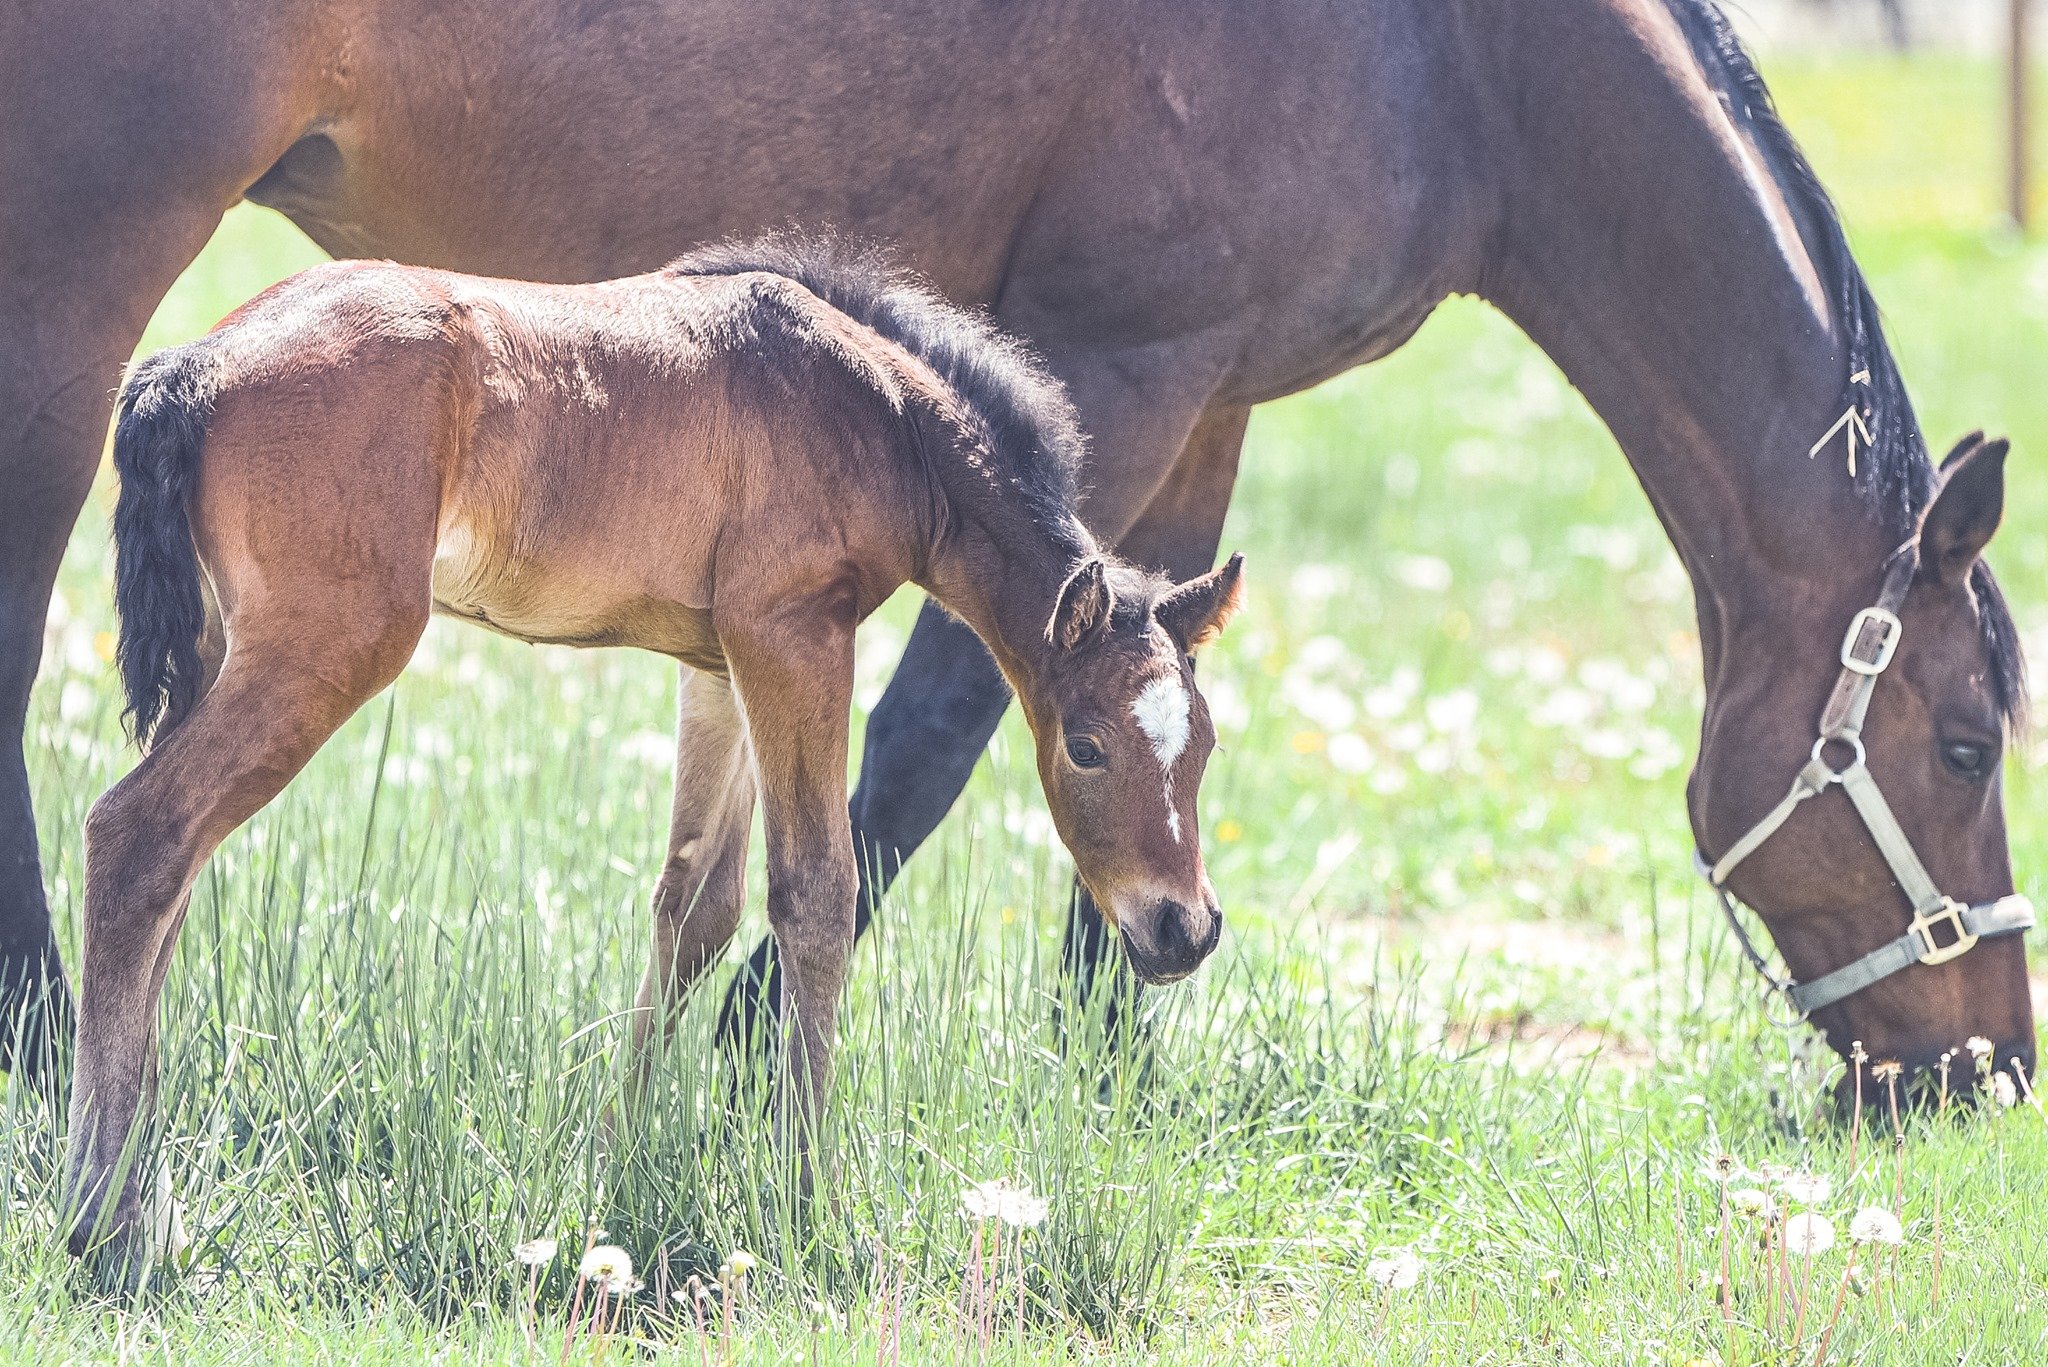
127, 1248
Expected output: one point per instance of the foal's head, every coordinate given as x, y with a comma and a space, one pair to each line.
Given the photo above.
1939, 715
1123, 737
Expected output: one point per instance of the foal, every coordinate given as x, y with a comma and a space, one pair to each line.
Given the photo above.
731, 462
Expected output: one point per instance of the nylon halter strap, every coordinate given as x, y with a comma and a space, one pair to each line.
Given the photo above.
1942, 928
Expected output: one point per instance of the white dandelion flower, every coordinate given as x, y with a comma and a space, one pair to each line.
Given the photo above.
2003, 1092
536, 1252
1750, 1201
1807, 1188
1019, 1209
1398, 1271
1809, 1235
1876, 1225
984, 1200
608, 1265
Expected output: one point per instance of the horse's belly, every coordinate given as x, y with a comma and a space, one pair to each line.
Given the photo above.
564, 604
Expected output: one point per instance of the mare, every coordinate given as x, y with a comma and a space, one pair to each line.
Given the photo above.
1189, 207
731, 462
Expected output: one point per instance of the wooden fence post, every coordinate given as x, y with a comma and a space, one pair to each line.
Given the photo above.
2017, 163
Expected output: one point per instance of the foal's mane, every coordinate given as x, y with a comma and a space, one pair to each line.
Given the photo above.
1028, 430
1895, 474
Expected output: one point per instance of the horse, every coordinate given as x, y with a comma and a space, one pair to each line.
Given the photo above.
731, 462
1188, 209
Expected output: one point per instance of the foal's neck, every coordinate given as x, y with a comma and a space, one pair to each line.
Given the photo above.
1000, 571
1648, 246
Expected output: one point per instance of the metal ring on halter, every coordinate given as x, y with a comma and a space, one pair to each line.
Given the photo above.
1855, 743
1778, 992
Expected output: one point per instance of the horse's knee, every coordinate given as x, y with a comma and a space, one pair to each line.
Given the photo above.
131, 870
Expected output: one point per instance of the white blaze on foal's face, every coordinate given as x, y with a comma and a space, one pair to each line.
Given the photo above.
1161, 711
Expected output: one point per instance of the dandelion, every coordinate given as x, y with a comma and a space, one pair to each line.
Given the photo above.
1722, 1168
1981, 1050
1887, 1070
606, 1265
1397, 1272
1750, 1201
1019, 1209
1806, 1188
1876, 1225
737, 1267
984, 1200
1809, 1235
536, 1252
2003, 1091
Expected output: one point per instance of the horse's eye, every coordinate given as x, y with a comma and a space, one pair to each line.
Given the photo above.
1966, 759
1085, 753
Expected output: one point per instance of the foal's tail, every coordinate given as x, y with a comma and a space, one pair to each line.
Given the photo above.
159, 430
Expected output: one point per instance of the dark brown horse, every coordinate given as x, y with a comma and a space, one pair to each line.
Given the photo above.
1190, 207
711, 462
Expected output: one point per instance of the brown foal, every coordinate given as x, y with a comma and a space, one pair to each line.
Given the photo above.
731, 462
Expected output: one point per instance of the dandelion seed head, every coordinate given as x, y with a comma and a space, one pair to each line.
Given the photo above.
1806, 1188
1019, 1209
1876, 1225
536, 1252
1809, 1234
2003, 1092
608, 1265
1398, 1271
1722, 1168
1750, 1200
1981, 1049
1887, 1070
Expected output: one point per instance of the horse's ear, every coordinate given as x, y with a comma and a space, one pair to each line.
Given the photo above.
1082, 612
1965, 511
1963, 448
1195, 613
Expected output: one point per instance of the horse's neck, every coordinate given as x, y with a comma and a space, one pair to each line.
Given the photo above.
1648, 248
1002, 577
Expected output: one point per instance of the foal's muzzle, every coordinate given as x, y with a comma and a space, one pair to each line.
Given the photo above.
1181, 938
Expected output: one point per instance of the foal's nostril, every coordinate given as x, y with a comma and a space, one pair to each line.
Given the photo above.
1171, 933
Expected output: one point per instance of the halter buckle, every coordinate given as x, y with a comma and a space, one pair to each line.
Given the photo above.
1949, 914
1871, 657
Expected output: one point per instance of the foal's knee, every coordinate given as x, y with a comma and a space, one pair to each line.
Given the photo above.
131, 867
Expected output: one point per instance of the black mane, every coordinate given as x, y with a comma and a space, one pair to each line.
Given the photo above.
1895, 474
1030, 427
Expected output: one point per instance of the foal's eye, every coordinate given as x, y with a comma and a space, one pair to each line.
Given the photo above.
1085, 753
1967, 759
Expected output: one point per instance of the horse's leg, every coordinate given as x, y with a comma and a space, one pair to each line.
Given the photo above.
1178, 534
703, 884
793, 671
119, 166
284, 688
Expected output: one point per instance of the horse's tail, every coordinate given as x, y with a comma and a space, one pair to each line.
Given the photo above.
159, 431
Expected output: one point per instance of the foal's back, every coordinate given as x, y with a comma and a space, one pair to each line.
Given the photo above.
579, 464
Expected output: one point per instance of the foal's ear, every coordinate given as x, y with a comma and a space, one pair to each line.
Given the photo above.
1963, 448
1196, 613
1965, 511
1082, 612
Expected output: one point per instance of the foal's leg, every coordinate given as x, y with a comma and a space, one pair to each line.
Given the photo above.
793, 670
703, 888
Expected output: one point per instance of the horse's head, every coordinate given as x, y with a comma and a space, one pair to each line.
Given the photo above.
1123, 737
1883, 875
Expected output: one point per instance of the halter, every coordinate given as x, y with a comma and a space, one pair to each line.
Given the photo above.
1942, 928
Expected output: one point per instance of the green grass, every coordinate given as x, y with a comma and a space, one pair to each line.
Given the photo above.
1472, 1003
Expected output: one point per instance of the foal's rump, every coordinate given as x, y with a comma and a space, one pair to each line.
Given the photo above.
289, 465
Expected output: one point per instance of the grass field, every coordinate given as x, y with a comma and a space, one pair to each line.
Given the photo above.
1472, 1004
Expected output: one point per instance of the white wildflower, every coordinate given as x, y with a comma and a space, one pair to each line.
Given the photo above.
1397, 1272
1876, 1225
1750, 1201
1981, 1049
536, 1252
1807, 1188
984, 1200
610, 1266
2003, 1092
1019, 1209
737, 1267
1809, 1235
1722, 1168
